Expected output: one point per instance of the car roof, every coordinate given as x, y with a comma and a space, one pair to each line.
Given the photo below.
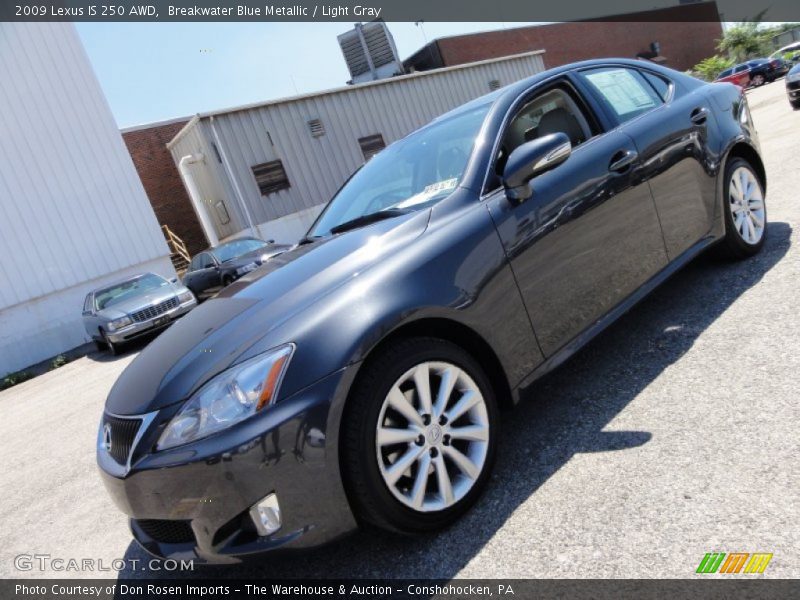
789, 47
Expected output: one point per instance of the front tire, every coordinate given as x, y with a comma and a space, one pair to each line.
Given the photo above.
745, 211
795, 104
758, 80
419, 436
113, 349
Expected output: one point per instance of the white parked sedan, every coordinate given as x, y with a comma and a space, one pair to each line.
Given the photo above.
119, 313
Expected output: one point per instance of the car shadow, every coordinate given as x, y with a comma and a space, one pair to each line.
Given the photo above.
562, 415
132, 347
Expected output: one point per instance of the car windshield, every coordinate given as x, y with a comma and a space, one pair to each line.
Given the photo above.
128, 289
410, 174
236, 248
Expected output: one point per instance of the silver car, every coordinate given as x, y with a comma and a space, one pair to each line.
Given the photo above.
119, 313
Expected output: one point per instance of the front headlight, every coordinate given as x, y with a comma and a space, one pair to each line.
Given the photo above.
230, 397
185, 296
119, 323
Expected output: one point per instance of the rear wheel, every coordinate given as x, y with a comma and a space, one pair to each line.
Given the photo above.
745, 210
419, 436
758, 80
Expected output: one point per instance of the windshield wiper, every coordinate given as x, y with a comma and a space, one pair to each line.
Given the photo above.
308, 239
388, 213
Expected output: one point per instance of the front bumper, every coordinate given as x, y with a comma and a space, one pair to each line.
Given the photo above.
162, 321
193, 501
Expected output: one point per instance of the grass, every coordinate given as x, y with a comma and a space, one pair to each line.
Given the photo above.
59, 361
18, 377
13, 379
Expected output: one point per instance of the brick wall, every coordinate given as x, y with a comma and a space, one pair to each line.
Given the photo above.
162, 182
687, 34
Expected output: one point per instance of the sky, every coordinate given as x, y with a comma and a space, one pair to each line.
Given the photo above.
155, 71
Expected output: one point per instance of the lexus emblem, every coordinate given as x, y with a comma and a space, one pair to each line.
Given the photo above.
107, 437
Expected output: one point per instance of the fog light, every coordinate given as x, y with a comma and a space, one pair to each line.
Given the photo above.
266, 515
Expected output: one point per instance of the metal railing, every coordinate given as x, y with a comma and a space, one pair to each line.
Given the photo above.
179, 253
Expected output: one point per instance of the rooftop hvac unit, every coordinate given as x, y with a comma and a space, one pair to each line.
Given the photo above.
369, 52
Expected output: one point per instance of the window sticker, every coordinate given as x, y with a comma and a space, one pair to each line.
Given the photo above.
622, 90
429, 192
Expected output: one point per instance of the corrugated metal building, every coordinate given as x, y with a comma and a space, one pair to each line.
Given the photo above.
269, 168
74, 213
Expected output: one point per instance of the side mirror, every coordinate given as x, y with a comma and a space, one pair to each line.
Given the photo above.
531, 159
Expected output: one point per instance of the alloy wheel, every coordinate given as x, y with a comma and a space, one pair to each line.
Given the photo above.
432, 436
746, 201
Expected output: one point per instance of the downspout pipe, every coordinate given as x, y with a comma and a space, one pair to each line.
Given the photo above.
194, 195
234, 181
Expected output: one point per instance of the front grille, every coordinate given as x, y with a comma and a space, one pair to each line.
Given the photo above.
154, 311
793, 85
120, 433
167, 532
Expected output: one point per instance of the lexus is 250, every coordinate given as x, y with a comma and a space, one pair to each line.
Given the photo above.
357, 377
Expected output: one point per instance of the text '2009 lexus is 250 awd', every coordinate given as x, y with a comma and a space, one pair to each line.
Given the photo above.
357, 377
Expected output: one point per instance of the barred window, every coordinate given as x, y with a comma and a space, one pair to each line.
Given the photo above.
371, 145
271, 177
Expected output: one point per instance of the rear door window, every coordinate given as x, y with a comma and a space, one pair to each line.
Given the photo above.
205, 261
624, 90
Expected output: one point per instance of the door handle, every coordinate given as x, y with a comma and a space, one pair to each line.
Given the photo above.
699, 115
622, 160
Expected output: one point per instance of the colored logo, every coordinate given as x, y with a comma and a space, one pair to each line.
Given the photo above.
735, 562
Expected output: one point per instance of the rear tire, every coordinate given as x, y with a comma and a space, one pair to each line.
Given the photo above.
745, 209
437, 486
758, 80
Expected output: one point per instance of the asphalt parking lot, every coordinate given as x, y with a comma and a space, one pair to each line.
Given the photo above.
673, 434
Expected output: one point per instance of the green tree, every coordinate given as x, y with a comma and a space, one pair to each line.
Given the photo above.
744, 41
709, 68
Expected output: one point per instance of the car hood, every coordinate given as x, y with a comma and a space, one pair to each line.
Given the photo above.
139, 302
256, 256
237, 323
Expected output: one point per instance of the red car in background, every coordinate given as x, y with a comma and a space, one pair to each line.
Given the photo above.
738, 75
